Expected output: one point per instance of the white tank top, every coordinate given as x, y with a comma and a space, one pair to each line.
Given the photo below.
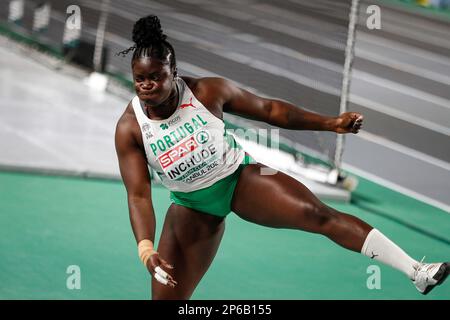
190, 150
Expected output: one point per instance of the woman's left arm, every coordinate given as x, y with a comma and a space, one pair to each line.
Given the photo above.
286, 115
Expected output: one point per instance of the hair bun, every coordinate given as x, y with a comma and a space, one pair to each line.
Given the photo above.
148, 31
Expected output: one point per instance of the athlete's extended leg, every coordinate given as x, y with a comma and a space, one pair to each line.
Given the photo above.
189, 241
280, 201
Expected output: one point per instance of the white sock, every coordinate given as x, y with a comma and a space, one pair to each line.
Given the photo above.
377, 246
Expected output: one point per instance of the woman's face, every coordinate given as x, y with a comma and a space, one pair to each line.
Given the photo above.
153, 80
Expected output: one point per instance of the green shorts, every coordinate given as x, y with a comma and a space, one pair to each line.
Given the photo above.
215, 199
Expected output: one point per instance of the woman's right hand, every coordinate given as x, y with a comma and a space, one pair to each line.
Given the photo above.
156, 266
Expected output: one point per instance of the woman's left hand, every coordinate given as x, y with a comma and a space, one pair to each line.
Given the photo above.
349, 122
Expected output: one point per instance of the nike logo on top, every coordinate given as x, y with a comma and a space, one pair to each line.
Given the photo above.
185, 105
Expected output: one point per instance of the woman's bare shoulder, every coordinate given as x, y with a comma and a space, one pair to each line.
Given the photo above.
209, 86
127, 123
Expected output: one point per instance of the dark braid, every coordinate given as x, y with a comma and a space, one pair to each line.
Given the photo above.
150, 41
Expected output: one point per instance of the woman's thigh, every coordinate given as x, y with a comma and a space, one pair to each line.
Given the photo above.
278, 200
189, 241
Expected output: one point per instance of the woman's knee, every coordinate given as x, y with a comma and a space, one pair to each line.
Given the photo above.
319, 218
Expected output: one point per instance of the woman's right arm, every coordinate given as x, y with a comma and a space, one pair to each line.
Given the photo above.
135, 175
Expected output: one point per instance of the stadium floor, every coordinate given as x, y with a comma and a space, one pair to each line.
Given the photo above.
53, 222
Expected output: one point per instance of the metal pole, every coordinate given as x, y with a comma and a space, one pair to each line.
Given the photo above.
100, 37
349, 53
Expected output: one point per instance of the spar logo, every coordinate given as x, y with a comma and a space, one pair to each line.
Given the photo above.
178, 152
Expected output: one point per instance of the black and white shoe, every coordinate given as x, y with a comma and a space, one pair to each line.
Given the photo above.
429, 275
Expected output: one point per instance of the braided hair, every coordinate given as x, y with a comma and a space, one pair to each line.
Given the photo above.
150, 41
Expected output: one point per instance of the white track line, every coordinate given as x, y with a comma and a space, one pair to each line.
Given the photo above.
379, 107
398, 65
403, 149
395, 86
410, 50
396, 187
